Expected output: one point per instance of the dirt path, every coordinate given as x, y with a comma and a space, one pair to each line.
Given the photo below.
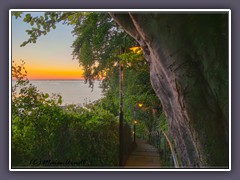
143, 156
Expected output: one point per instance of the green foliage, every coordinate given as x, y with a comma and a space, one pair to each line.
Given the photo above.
98, 38
90, 133
163, 125
97, 45
137, 88
17, 14
133, 59
43, 24
96, 138
47, 135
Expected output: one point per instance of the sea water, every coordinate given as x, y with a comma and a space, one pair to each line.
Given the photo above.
72, 92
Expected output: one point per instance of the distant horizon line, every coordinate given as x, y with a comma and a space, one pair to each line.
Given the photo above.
57, 79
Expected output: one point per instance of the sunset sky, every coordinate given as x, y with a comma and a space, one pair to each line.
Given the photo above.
50, 57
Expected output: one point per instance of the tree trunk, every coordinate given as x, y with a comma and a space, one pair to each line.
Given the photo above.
188, 60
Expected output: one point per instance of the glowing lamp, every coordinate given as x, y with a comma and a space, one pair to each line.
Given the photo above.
140, 105
136, 49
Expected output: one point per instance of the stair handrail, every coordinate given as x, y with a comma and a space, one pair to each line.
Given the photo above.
176, 164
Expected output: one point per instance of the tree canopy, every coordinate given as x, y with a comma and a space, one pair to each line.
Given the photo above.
98, 38
100, 46
186, 55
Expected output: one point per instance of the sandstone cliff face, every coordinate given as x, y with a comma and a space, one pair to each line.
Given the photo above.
188, 59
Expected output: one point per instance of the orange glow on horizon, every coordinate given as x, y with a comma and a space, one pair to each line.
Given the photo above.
55, 74
42, 72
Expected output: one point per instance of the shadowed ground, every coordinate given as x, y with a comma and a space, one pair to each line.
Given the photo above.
143, 156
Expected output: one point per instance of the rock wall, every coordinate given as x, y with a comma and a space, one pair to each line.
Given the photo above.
188, 58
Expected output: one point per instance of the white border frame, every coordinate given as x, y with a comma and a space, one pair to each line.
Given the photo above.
118, 10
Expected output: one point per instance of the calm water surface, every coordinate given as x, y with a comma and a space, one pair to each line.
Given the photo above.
72, 92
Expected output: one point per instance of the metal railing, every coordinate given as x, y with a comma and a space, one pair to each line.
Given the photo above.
160, 139
128, 143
